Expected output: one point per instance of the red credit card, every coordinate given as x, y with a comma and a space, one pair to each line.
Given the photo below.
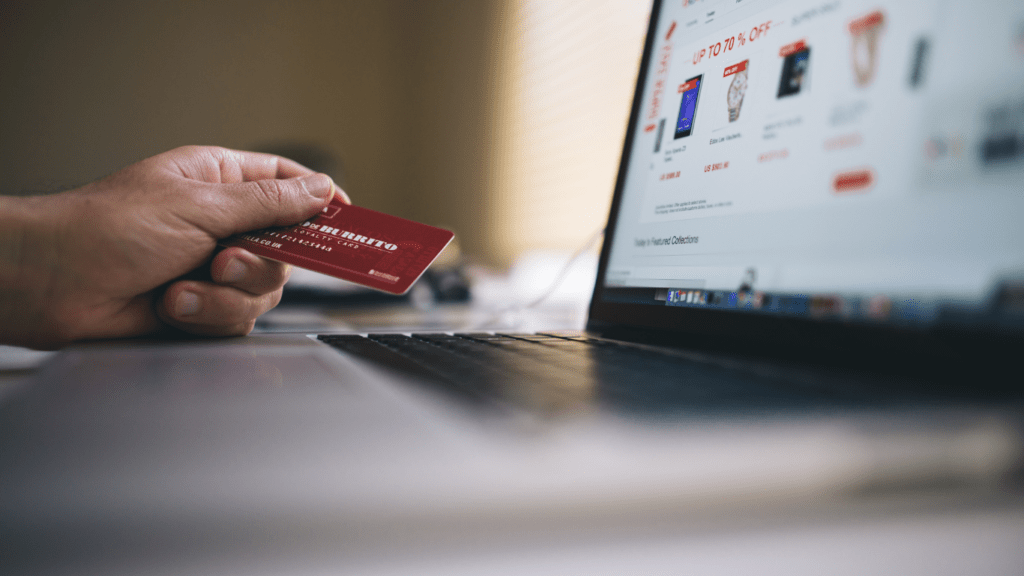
371, 248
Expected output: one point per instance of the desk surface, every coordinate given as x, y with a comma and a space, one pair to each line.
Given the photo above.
974, 528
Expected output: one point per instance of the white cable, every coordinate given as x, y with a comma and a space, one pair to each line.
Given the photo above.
565, 270
559, 278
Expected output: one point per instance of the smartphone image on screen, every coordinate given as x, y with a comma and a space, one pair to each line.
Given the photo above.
794, 72
688, 108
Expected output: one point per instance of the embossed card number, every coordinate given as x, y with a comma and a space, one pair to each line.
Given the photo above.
364, 246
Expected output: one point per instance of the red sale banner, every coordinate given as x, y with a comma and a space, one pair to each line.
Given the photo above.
792, 48
688, 86
731, 42
659, 85
735, 68
870, 21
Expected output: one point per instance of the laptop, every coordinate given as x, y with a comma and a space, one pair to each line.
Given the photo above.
811, 286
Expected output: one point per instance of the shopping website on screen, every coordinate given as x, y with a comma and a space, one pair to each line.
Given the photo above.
861, 153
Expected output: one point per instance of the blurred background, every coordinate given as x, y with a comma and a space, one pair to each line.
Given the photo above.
502, 120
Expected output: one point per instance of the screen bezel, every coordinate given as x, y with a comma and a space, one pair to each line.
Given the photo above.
768, 334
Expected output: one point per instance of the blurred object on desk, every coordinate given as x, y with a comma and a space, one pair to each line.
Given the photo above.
444, 282
528, 292
500, 300
316, 302
15, 359
17, 365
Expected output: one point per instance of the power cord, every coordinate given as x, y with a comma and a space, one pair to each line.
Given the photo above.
497, 315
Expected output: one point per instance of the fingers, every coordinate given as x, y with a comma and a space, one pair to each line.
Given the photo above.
257, 166
229, 209
241, 269
231, 191
225, 166
245, 286
210, 309
215, 164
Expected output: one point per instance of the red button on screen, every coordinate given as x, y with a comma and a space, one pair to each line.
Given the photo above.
853, 181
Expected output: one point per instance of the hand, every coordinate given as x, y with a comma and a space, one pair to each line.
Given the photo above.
110, 259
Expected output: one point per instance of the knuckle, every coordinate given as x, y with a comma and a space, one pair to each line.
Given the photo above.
201, 149
258, 305
206, 198
277, 276
232, 308
239, 329
246, 309
271, 192
187, 150
197, 151
275, 298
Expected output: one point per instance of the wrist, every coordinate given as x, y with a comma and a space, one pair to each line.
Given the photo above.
27, 258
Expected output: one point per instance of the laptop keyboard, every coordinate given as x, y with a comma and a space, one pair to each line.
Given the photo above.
558, 373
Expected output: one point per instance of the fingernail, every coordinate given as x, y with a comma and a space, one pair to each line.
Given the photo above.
318, 185
188, 304
344, 197
234, 271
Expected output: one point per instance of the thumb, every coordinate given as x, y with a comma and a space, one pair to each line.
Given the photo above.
247, 206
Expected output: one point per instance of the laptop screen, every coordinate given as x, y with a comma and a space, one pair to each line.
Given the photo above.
827, 159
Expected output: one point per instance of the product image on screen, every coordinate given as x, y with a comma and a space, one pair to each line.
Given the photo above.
688, 108
918, 62
866, 33
794, 70
737, 88
881, 185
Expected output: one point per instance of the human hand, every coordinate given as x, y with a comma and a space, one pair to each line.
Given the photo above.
127, 255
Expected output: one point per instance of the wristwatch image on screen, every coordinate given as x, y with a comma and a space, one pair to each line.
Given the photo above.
866, 32
737, 90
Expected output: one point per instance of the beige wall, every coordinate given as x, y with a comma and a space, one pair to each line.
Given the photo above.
91, 86
567, 74
391, 87
414, 98
450, 51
